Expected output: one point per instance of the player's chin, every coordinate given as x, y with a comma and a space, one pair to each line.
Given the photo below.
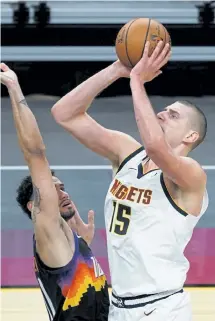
67, 212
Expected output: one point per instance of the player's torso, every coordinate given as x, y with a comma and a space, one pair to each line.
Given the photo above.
77, 290
146, 232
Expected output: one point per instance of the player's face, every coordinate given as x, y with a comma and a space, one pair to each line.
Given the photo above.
66, 206
175, 123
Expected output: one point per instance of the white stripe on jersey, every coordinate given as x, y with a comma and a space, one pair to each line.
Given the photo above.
49, 304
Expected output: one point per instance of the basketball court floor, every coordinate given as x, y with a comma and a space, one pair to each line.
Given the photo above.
28, 305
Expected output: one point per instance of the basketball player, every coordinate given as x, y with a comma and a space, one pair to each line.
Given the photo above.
156, 197
67, 208
71, 280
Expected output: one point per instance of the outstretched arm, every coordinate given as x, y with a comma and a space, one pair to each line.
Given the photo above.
183, 171
71, 113
52, 244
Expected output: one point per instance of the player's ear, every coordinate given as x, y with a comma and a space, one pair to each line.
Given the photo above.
30, 205
191, 137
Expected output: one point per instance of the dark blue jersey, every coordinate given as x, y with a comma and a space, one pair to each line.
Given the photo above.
77, 291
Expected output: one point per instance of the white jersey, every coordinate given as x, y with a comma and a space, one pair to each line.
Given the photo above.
146, 231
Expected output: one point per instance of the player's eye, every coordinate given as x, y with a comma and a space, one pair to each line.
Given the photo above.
174, 115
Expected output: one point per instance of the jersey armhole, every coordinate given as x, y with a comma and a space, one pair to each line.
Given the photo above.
168, 196
128, 158
41, 265
179, 209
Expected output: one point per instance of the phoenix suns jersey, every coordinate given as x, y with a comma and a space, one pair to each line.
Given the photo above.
146, 231
77, 291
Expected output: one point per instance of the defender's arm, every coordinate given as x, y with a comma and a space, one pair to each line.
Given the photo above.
52, 245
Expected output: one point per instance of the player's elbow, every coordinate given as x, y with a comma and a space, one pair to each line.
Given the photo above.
57, 113
62, 114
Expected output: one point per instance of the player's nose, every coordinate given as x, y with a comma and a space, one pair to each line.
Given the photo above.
162, 115
64, 195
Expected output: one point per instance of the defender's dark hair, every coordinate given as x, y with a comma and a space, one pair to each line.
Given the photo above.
25, 192
199, 122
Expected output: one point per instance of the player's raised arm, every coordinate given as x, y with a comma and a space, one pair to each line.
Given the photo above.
71, 113
183, 171
52, 244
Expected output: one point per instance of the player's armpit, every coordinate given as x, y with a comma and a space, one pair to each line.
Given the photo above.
54, 242
113, 145
54, 239
183, 171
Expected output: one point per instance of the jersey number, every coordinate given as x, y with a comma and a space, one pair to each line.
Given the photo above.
120, 219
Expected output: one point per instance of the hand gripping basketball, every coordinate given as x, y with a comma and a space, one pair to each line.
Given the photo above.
149, 67
132, 37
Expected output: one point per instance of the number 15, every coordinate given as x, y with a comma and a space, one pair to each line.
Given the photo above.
120, 219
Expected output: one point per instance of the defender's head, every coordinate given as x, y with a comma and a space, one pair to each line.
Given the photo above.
183, 124
25, 197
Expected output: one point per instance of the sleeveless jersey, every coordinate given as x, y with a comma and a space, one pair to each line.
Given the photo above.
77, 291
146, 231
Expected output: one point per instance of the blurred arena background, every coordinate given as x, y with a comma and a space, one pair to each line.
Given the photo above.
55, 45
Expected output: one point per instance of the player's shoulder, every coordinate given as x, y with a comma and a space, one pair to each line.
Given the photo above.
135, 155
125, 143
195, 165
199, 174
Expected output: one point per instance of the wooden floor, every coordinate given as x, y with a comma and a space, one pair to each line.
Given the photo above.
27, 304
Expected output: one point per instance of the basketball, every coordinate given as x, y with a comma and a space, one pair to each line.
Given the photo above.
132, 37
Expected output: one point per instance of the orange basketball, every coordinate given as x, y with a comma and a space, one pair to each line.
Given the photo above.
132, 37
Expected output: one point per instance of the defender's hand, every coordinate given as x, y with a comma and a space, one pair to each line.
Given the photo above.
149, 67
8, 76
86, 231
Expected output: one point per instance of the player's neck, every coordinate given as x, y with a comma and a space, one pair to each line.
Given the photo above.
181, 150
149, 166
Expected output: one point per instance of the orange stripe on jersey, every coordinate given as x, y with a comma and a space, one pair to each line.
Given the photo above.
83, 278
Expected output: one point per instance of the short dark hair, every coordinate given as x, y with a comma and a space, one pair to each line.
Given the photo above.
200, 122
25, 192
